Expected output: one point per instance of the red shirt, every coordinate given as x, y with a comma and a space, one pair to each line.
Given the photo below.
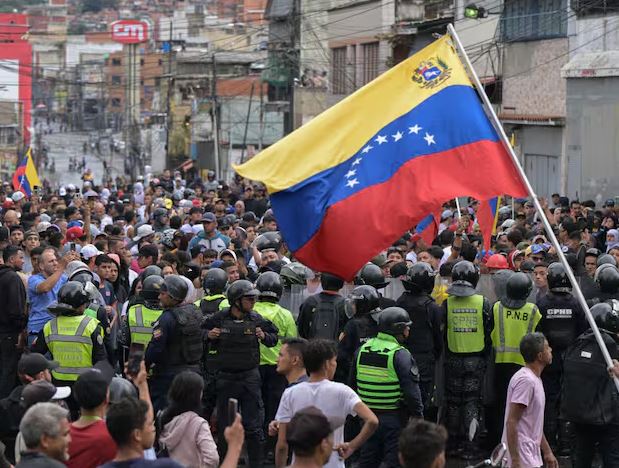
90, 446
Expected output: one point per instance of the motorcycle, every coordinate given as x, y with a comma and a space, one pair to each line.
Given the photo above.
496, 460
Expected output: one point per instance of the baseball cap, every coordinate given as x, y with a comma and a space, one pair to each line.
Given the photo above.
42, 391
42, 226
508, 223
74, 233
31, 233
208, 217
446, 215
33, 363
17, 196
144, 230
89, 251
91, 386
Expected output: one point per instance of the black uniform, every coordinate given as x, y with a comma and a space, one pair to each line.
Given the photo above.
176, 346
425, 341
322, 316
238, 358
357, 331
563, 320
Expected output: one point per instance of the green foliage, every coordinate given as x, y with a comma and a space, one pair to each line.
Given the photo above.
96, 6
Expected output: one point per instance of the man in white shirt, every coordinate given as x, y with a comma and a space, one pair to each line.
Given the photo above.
335, 400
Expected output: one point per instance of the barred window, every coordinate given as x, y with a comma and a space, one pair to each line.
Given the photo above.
370, 62
338, 75
524, 20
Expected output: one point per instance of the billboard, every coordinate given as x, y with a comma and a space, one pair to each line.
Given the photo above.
16, 80
130, 31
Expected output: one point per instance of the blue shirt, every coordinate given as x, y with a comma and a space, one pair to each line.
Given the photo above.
39, 302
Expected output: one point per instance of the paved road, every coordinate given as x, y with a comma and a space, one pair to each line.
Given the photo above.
62, 146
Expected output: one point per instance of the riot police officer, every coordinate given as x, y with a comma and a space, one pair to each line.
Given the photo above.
468, 323
141, 317
385, 376
176, 343
214, 285
73, 339
513, 318
270, 286
588, 394
235, 334
363, 309
607, 279
563, 320
322, 315
425, 341
373, 275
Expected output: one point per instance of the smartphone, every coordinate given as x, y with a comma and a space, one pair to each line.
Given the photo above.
136, 356
37, 190
233, 408
72, 246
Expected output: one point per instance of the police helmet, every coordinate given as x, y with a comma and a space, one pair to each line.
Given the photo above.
606, 316
607, 278
241, 288
270, 284
331, 282
361, 301
151, 270
393, 321
175, 286
271, 240
72, 294
152, 287
465, 276
420, 277
372, 275
517, 290
606, 258
557, 278
295, 273
215, 281
83, 278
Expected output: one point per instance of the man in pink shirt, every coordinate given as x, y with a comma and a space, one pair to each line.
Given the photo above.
523, 431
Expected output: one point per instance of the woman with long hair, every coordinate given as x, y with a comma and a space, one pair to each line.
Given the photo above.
186, 436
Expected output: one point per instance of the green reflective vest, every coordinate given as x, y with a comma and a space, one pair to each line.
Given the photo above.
283, 320
209, 298
510, 325
465, 324
91, 310
378, 385
224, 304
69, 341
141, 320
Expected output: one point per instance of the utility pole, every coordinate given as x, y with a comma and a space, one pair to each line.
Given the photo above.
251, 97
215, 111
261, 136
169, 118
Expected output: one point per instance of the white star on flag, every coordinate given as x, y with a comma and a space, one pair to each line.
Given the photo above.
414, 129
380, 139
356, 161
367, 149
397, 136
351, 183
429, 139
350, 173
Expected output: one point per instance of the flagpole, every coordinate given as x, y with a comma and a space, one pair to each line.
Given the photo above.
553, 239
458, 208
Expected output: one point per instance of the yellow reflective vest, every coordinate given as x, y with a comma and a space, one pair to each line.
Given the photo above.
69, 341
141, 320
465, 324
510, 325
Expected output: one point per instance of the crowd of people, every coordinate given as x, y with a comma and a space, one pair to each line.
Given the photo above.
146, 325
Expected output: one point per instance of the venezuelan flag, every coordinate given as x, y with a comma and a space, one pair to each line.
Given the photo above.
427, 229
488, 217
350, 182
26, 177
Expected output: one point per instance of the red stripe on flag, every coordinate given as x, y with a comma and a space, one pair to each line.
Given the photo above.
370, 220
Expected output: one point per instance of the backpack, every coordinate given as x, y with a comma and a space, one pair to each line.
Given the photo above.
190, 321
588, 394
325, 319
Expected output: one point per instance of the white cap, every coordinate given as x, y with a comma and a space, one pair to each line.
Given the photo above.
508, 223
17, 196
89, 251
447, 214
144, 230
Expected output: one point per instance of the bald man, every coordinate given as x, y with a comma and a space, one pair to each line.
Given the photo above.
11, 218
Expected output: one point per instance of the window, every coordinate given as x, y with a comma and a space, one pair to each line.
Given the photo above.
352, 78
369, 62
116, 80
115, 102
338, 82
157, 81
524, 20
116, 62
142, 62
587, 7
